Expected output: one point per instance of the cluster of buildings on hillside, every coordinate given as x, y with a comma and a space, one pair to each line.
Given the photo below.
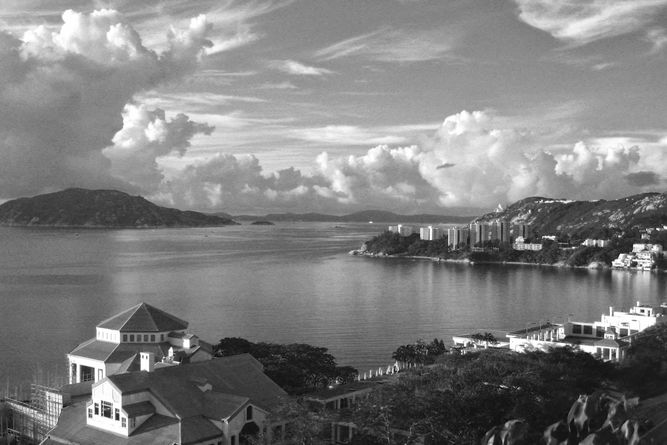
475, 233
642, 257
608, 338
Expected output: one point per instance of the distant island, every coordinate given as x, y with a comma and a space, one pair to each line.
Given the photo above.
365, 216
82, 208
262, 223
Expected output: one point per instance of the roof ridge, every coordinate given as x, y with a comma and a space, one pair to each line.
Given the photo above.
136, 309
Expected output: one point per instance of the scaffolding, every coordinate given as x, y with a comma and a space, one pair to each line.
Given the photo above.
30, 421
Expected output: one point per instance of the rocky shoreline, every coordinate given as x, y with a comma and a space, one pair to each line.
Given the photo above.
596, 265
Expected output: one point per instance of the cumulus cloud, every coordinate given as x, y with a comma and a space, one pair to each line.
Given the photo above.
474, 159
62, 94
585, 21
146, 136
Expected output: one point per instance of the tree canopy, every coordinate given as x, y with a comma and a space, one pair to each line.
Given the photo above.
297, 367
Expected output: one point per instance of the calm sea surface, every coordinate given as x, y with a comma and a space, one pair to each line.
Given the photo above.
283, 283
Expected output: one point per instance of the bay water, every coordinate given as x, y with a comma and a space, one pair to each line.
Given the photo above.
291, 282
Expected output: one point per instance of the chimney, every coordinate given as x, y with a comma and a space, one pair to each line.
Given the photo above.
611, 311
147, 360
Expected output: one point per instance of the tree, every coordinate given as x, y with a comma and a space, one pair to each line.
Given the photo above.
297, 368
486, 337
304, 425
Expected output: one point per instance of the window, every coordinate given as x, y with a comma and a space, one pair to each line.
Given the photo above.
248, 413
152, 338
124, 337
116, 414
133, 422
97, 409
588, 330
145, 338
131, 337
90, 413
161, 337
106, 409
123, 422
278, 432
576, 329
624, 332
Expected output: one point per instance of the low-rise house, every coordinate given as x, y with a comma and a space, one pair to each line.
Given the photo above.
608, 338
120, 339
214, 402
643, 256
338, 400
590, 242
520, 244
624, 261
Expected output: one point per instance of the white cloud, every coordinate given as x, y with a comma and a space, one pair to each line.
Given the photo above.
62, 93
658, 39
579, 22
146, 136
387, 45
298, 68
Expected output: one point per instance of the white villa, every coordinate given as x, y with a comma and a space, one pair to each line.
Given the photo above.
144, 379
119, 340
643, 257
214, 402
609, 338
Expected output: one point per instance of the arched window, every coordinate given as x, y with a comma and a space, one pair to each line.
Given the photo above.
248, 413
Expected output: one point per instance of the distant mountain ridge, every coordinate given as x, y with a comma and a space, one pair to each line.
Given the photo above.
76, 207
546, 215
362, 216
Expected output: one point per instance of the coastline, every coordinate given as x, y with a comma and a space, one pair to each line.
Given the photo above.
561, 265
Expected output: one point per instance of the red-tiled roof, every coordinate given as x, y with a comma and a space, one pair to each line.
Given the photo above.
143, 318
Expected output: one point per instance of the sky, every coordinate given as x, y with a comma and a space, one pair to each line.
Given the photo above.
334, 106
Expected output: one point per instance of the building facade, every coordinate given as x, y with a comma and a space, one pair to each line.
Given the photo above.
119, 340
214, 402
608, 338
457, 237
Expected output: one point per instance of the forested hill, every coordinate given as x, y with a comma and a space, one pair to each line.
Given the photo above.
548, 216
77, 207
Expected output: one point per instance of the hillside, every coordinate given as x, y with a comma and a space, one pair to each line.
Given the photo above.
548, 216
363, 216
99, 208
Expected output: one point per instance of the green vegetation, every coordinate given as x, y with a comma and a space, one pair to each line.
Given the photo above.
462, 396
298, 368
420, 353
459, 398
389, 243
